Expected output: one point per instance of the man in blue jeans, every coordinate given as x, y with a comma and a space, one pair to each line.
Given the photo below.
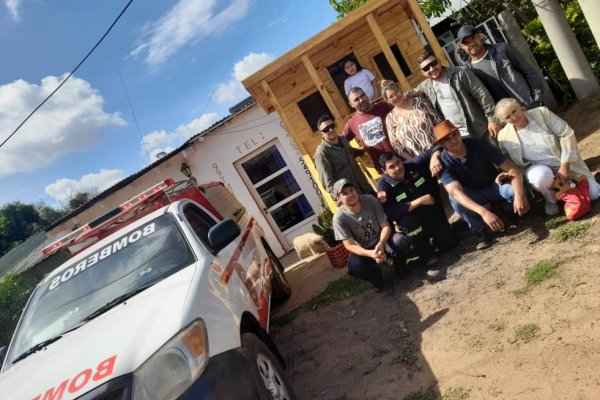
366, 233
472, 178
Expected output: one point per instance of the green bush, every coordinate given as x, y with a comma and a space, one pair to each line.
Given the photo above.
14, 293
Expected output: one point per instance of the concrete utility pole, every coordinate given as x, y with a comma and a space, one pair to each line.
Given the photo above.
567, 48
591, 11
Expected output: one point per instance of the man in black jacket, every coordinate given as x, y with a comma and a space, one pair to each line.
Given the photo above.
501, 68
411, 198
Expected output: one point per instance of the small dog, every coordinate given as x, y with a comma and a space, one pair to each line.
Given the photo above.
309, 244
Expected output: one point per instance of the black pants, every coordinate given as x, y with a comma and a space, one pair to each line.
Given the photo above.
366, 268
425, 223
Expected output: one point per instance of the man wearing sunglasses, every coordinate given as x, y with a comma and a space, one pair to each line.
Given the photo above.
501, 68
334, 160
459, 96
472, 178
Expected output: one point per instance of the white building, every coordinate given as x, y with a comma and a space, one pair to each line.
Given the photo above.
251, 154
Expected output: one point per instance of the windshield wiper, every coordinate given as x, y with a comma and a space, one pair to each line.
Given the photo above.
45, 343
114, 302
37, 348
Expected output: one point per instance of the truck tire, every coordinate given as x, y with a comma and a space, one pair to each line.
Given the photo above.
265, 370
281, 289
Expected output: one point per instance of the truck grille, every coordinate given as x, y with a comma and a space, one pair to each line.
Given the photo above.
116, 389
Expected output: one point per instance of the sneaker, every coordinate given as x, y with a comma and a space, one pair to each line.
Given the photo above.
483, 240
550, 208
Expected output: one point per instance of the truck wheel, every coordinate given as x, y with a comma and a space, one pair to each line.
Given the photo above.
281, 289
265, 370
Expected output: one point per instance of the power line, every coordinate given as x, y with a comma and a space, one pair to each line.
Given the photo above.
68, 76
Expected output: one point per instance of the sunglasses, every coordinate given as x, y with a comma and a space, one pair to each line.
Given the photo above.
328, 128
430, 65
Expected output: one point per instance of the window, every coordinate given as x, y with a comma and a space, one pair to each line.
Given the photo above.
200, 222
386, 69
312, 107
336, 70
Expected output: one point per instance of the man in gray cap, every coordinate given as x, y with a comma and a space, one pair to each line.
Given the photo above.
366, 233
501, 68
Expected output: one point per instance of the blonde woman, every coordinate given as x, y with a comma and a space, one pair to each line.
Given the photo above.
544, 146
410, 123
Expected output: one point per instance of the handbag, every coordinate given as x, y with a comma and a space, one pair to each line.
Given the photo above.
576, 195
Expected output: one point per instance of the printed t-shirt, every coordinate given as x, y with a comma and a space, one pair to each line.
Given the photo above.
370, 131
364, 227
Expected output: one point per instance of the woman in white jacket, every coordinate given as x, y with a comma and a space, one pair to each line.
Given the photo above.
544, 146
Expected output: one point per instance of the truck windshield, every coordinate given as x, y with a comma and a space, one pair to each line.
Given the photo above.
73, 295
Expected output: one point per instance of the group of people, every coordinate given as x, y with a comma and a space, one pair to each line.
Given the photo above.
479, 130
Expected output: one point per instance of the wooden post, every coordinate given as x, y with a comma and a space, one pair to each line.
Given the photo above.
321, 87
305, 156
387, 52
422, 21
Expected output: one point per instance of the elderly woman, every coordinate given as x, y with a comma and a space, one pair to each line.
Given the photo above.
544, 146
410, 123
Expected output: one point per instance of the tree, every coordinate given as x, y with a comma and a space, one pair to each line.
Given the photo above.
13, 296
431, 8
79, 199
18, 221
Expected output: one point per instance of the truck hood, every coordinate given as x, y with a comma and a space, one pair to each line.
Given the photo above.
113, 344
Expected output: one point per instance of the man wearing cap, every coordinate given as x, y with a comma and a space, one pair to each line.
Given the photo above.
501, 68
366, 233
459, 96
472, 180
334, 160
367, 125
411, 198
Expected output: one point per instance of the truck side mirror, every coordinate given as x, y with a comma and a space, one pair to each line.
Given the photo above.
222, 234
2, 355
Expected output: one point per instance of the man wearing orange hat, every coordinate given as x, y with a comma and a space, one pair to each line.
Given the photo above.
472, 178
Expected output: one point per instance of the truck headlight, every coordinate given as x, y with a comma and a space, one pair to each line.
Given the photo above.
174, 367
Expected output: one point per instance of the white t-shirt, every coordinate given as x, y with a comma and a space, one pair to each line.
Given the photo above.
448, 105
361, 79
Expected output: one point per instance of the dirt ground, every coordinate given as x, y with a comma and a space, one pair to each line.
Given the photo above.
476, 334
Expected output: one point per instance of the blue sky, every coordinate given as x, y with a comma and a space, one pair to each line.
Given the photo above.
179, 61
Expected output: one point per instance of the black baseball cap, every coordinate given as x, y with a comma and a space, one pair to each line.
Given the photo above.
465, 31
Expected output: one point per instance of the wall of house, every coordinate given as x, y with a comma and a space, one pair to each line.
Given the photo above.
212, 158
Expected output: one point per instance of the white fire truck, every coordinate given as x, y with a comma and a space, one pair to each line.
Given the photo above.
165, 297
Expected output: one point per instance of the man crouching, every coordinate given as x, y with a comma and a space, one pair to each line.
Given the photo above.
363, 227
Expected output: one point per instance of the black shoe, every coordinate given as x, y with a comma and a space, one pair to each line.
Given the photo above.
429, 261
483, 240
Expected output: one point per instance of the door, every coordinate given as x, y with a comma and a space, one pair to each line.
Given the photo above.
272, 183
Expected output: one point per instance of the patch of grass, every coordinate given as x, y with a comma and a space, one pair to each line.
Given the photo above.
571, 231
540, 272
423, 394
526, 333
521, 291
408, 356
497, 326
555, 222
337, 290
456, 393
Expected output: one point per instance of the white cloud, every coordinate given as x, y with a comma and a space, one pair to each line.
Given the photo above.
72, 120
158, 141
187, 22
233, 90
63, 189
13, 8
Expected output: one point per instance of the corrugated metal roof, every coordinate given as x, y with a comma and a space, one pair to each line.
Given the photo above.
25, 255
